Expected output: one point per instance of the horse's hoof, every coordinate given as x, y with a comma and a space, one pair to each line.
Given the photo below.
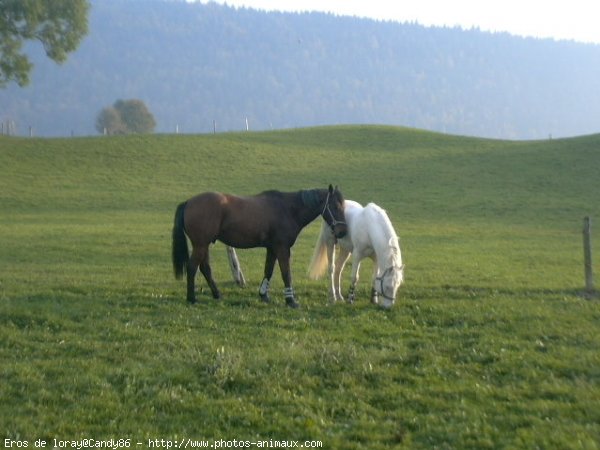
265, 298
192, 301
291, 302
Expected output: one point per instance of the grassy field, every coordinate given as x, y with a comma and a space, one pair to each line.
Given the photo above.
490, 343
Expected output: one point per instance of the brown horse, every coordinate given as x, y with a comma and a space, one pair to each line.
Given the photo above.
271, 219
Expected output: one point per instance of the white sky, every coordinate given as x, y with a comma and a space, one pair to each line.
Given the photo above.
560, 19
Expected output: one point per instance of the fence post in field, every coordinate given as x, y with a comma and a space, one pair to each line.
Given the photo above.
587, 254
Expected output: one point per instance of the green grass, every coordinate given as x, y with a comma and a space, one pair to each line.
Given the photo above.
490, 344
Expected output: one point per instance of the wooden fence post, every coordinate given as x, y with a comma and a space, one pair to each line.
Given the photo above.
587, 254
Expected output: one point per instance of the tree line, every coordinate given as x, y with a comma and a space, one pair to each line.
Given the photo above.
204, 67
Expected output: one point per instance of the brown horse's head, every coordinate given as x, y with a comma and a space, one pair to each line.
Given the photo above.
333, 212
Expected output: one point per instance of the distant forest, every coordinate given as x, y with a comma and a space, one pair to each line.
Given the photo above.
206, 67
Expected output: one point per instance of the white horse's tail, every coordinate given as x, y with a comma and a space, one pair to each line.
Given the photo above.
318, 263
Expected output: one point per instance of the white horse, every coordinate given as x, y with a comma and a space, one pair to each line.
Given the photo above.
370, 234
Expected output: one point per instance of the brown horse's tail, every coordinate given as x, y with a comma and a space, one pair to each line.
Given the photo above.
179, 246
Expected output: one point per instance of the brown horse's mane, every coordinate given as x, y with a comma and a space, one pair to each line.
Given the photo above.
272, 193
309, 197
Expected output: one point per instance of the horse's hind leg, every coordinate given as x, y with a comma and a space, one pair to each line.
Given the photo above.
234, 265
192, 268
207, 272
199, 258
336, 276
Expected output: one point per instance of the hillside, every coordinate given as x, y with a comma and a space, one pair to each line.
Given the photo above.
201, 66
429, 183
550, 177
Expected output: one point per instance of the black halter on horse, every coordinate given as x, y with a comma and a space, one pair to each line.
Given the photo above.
271, 219
311, 199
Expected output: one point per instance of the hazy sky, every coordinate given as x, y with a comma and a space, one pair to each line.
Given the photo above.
561, 19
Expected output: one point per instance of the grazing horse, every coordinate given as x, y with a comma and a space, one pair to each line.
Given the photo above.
370, 234
271, 219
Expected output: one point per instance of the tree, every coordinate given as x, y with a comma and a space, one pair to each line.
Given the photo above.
58, 24
125, 117
109, 122
135, 116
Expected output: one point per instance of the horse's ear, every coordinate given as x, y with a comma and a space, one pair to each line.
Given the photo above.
330, 189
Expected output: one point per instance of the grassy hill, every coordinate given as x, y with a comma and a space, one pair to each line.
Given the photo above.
489, 344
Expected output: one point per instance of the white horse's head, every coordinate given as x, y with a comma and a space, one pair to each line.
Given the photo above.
386, 286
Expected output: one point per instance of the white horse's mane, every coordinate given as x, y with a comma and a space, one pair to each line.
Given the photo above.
388, 238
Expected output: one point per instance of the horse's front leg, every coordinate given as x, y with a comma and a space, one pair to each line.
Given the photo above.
263, 291
374, 296
283, 256
356, 258
331, 261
